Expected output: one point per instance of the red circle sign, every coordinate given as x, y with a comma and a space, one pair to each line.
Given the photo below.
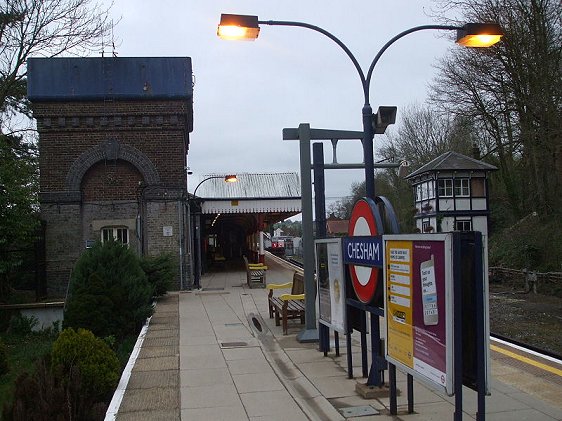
364, 221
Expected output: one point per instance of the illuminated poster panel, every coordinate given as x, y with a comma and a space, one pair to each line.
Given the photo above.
331, 283
418, 297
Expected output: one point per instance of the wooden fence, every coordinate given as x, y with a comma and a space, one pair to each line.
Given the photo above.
548, 283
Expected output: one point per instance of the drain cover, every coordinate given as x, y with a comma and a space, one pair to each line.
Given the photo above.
358, 411
233, 324
257, 324
233, 344
213, 289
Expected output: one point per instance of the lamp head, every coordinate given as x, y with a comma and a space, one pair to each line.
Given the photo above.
238, 27
231, 178
479, 34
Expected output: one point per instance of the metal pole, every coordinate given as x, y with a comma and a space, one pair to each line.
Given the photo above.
368, 156
321, 231
457, 325
310, 332
367, 111
190, 243
197, 254
477, 265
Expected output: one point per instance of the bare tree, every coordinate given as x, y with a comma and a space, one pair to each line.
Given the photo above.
45, 28
28, 28
425, 134
513, 94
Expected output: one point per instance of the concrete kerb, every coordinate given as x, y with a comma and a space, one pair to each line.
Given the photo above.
115, 403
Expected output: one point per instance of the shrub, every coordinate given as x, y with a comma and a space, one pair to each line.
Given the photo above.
109, 292
3, 358
160, 271
46, 396
97, 364
22, 325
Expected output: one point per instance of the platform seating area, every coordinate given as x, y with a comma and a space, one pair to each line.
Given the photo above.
287, 306
255, 273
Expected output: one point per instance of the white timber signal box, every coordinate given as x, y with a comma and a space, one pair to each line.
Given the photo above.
451, 194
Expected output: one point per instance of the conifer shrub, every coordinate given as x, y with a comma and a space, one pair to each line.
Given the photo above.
160, 271
74, 382
109, 292
97, 364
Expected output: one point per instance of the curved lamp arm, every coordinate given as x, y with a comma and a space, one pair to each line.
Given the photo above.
396, 38
227, 178
333, 38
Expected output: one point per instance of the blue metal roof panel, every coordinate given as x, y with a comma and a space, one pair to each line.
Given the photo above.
250, 186
94, 78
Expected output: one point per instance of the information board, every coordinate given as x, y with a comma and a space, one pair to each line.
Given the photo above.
331, 283
418, 310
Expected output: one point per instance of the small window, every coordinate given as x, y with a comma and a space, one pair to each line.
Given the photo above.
418, 192
463, 225
445, 187
120, 234
462, 187
431, 190
424, 191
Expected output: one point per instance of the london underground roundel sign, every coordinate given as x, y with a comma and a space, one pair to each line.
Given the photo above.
365, 221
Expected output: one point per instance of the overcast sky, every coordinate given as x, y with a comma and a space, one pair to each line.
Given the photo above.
247, 92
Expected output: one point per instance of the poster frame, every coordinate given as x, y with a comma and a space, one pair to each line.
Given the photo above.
341, 325
447, 240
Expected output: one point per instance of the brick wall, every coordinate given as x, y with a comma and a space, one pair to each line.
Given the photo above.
67, 130
63, 243
127, 162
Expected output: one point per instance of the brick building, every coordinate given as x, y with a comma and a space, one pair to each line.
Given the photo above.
113, 143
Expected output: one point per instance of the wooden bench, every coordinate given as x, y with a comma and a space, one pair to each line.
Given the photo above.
255, 273
287, 306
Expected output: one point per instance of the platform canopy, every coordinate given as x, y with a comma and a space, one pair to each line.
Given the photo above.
275, 196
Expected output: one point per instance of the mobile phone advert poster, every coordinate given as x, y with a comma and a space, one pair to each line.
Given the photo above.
417, 308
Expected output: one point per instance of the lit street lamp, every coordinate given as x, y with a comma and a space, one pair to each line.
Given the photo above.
196, 260
227, 178
244, 27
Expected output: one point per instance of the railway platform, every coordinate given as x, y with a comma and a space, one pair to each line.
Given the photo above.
214, 354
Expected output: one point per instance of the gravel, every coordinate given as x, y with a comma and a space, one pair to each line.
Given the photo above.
533, 319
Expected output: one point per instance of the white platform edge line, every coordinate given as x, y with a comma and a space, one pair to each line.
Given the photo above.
528, 351
126, 375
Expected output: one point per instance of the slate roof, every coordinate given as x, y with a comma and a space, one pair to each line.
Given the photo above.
249, 186
453, 161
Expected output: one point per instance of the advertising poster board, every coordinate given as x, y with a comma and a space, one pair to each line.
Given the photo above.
418, 310
331, 283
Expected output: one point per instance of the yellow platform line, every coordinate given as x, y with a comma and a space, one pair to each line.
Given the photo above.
526, 360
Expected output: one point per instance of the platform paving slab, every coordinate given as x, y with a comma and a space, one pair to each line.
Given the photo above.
153, 392
272, 376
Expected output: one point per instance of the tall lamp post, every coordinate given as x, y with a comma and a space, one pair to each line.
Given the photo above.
240, 27
196, 223
235, 27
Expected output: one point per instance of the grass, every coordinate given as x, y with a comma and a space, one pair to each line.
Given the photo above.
23, 352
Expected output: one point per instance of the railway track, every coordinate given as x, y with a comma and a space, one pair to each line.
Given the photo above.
523, 346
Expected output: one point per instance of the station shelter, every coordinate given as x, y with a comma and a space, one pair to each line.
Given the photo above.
230, 218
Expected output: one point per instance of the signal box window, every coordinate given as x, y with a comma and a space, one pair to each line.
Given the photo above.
463, 225
445, 187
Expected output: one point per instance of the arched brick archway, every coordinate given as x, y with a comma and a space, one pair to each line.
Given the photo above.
110, 150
